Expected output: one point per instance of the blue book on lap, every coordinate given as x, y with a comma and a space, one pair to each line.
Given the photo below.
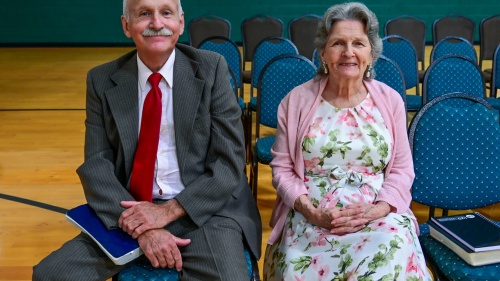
117, 244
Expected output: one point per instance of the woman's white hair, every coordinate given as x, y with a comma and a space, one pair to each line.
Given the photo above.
126, 13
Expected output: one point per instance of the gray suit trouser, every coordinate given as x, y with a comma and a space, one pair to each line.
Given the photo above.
215, 253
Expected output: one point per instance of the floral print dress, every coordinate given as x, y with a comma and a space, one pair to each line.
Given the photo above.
345, 153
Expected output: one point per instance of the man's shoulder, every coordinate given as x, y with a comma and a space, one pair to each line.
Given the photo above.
197, 54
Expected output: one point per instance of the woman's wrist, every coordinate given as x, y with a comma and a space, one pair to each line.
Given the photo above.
304, 206
384, 208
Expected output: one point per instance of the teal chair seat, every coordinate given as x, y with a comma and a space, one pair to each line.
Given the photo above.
144, 271
413, 102
263, 149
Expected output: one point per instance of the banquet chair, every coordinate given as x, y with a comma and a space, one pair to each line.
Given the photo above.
265, 51
277, 78
402, 52
457, 167
316, 58
227, 48
453, 73
411, 28
453, 25
302, 31
453, 45
489, 39
253, 30
207, 26
388, 72
230, 51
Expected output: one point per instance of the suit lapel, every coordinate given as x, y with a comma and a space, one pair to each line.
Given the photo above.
123, 104
187, 91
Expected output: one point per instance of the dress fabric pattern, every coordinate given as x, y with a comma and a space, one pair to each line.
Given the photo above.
345, 152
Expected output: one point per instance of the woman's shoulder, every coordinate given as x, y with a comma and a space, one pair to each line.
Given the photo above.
382, 90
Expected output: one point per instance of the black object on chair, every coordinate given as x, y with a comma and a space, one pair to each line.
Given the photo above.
302, 31
411, 28
207, 26
489, 38
453, 25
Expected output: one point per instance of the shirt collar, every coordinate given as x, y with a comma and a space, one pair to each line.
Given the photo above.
166, 71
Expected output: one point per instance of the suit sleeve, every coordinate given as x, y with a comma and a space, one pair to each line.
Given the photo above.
99, 175
220, 153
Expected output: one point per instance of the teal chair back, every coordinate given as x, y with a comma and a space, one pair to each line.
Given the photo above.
453, 45
278, 77
387, 71
230, 51
450, 74
453, 139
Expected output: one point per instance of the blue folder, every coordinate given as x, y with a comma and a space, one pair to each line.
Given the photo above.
117, 244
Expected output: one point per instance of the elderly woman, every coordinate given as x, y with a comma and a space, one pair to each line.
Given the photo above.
342, 167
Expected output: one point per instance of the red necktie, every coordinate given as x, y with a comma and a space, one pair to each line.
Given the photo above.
141, 183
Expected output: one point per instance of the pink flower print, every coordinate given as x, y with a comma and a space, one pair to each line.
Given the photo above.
290, 232
361, 244
378, 225
362, 170
368, 117
366, 190
409, 238
368, 102
320, 241
348, 166
315, 128
392, 228
411, 265
348, 119
354, 135
328, 201
303, 278
316, 262
323, 271
310, 165
357, 197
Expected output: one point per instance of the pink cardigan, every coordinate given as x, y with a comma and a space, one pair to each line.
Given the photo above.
294, 116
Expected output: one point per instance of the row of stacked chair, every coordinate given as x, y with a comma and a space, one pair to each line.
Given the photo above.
302, 29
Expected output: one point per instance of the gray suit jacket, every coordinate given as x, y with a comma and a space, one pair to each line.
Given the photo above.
208, 134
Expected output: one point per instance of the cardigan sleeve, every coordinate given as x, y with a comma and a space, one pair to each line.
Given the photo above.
288, 182
399, 173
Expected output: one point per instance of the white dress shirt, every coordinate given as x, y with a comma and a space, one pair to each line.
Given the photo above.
167, 179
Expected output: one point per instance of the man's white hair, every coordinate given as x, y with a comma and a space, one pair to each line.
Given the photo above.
126, 13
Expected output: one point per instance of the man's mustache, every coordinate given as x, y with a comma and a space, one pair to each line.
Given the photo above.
162, 32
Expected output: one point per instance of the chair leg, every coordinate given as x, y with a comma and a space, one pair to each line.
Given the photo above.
254, 174
248, 134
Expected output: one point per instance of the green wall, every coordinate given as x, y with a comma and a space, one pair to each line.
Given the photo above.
97, 22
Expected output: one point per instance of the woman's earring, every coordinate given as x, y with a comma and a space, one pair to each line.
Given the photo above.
368, 72
325, 67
